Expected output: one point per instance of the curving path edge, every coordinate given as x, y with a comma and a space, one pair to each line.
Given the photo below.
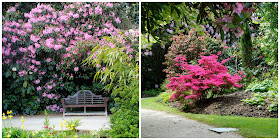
158, 124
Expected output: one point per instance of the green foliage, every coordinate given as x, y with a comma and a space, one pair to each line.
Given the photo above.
129, 15
15, 132
122, 76
267, 89
257, 86
156, 18
73, 124
273, 107
164, 97
258, 99
47, 121
164, 83
268, 35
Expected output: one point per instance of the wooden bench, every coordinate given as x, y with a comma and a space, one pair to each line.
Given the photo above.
84, 99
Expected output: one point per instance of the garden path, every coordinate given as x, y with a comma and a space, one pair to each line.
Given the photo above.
36, 122
157, 124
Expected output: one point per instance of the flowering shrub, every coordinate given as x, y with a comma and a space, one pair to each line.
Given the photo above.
42, 57
208, 74
191, 46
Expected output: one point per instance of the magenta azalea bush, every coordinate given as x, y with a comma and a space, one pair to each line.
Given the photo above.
196, 80
42, 53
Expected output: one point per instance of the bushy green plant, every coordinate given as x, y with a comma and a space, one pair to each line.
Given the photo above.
164, 83
257, 86
267, 89
121, 73
273, 107
268, 35
73, 124
15, 132
47, 121
164, 97
258, 99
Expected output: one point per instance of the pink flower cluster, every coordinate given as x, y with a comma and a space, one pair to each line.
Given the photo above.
208, 74
54, 107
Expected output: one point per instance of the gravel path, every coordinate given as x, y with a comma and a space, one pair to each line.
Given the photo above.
156, 124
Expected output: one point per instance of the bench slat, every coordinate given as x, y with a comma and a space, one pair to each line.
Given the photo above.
84, 98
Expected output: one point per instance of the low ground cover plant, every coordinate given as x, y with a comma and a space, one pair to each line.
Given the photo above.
264, 90
68, 129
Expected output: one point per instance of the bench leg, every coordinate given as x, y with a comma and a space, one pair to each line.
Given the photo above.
106, 111
64, 111
85, 110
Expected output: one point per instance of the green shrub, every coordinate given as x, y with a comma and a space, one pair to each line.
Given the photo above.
258, 99
257, 86
163, 85
273, 107
73, 124
121, 74
164, 97
267, 89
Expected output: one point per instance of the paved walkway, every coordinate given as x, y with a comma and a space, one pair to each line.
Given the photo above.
36, 122
157, 124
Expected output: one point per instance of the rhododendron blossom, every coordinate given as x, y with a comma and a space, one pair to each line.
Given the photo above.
34, 38
76, 68
37, 81
207, 75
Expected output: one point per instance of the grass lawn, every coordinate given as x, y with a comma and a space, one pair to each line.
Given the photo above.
249, 127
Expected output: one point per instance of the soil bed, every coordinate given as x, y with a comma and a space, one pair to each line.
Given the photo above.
231, 104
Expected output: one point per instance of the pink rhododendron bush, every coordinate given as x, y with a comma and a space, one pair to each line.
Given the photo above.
196, 80
43, 53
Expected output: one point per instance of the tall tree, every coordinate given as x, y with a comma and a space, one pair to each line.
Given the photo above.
246, 45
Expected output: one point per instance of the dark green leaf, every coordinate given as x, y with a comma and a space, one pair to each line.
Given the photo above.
25, 84
14, 75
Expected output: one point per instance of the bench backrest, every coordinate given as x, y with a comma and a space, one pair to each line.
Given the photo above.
84, 97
